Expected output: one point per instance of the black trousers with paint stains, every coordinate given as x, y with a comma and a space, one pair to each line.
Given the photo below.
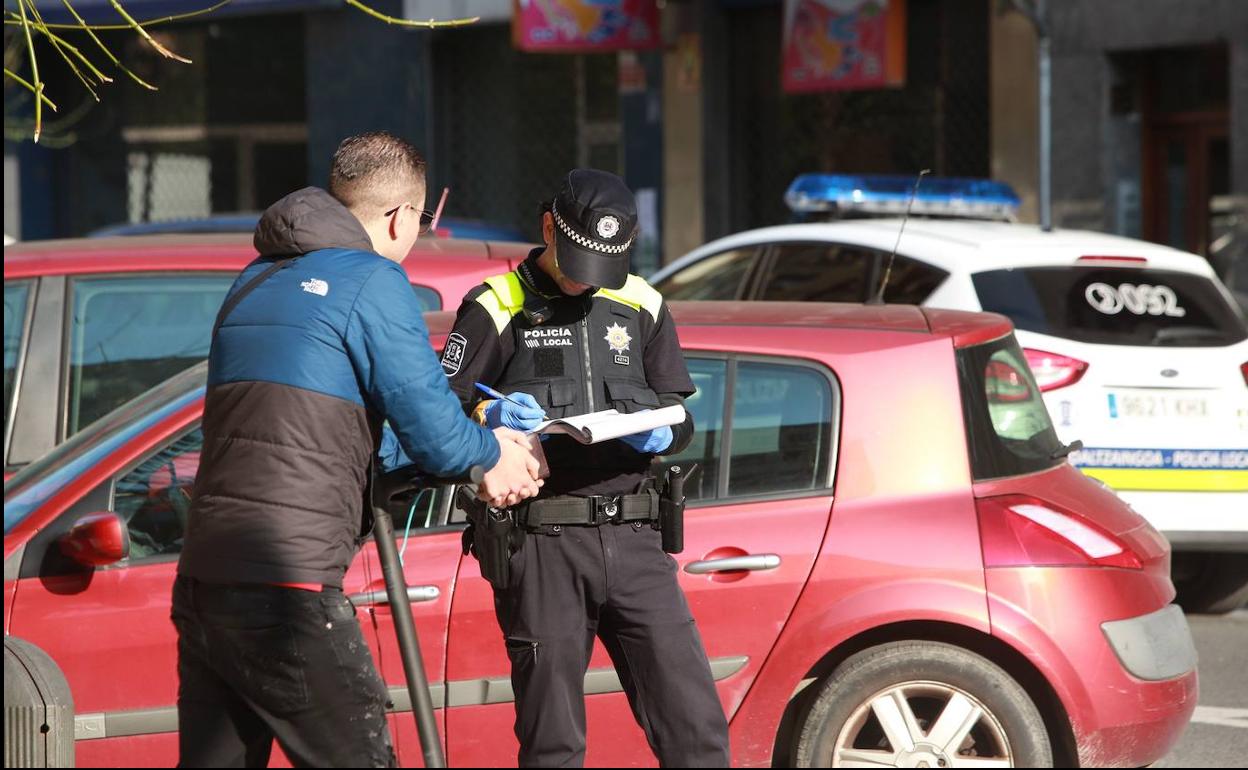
258, 662
616, 583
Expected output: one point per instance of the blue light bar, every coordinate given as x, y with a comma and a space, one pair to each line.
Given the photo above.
886, 194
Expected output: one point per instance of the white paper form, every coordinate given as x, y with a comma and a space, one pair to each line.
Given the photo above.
596, 427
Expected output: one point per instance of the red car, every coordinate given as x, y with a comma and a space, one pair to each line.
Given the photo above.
91, 323
890, 560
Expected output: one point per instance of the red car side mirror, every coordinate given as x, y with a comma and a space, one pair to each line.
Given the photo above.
96, 540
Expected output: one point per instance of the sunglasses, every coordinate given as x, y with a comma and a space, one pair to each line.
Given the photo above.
428, 219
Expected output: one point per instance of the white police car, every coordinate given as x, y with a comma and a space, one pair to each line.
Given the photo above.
1139, 349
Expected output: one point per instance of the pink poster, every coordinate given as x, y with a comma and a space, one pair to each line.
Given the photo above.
585, 25
842, 45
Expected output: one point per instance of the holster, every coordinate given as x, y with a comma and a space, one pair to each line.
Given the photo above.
671, 523
492, 537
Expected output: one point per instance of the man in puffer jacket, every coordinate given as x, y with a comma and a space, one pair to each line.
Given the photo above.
318, 343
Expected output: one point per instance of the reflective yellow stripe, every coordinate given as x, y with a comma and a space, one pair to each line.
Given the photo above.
504, 300
507, 287
637, 294
1171, 480
506, 297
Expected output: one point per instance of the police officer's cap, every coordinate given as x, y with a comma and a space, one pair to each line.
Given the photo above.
596, 221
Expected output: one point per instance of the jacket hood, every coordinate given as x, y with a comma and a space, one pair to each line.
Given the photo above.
307, 220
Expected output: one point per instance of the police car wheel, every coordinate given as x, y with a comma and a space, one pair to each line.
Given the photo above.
1211, 583
922, 704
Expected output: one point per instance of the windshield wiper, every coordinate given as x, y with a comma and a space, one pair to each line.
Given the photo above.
1066, 449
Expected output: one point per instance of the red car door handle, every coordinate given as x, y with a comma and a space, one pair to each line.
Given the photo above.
415, 593
751, 562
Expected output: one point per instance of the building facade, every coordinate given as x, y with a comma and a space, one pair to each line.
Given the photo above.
1150, 115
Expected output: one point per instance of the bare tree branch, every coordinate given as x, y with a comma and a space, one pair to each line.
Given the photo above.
116, 62
34, 69
31, 22
8, 73
138, 28
430, 24
64, 47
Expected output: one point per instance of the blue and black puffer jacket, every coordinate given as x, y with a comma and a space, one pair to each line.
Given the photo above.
301, 376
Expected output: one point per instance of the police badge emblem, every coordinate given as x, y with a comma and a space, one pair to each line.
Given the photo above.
453, 355
608, 226
618, 339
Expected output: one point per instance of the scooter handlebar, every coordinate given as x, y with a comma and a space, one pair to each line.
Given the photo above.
409, 478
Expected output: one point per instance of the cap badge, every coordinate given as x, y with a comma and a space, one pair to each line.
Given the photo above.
608, 226
586, 242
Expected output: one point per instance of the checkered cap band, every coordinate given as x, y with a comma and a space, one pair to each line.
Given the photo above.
588, 243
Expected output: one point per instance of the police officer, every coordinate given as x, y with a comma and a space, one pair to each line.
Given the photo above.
570, 332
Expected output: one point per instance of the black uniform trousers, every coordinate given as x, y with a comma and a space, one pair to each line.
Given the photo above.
258, 662
614, 582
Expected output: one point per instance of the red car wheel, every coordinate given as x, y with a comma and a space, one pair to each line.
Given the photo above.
922, 704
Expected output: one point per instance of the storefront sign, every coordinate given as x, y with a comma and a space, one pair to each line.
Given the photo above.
585, 25
842, 45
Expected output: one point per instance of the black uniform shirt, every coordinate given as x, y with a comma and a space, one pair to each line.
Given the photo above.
606, 350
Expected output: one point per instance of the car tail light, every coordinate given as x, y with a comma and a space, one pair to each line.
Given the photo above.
1243, 369
1022, 531
1053, 371
1004, 384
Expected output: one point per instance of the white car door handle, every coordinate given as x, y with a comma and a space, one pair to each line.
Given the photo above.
752, 562
414, 593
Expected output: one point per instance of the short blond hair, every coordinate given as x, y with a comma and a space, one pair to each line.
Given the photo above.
376, 171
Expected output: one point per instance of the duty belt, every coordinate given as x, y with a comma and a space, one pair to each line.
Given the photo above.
593, 510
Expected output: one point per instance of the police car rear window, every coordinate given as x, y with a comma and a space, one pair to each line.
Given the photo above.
1113, 305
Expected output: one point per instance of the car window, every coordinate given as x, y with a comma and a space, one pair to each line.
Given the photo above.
36, 483
717, 277
1007, 425
429, 299
422, 509
817, 272
154, 498
911, 282
707, 408
16, 297
781, 429
1113, 305
129, 334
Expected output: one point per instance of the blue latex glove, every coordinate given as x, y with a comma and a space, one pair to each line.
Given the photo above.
652, 441
508, 415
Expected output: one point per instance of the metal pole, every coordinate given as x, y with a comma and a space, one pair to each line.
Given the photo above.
409, 645
1044, 55
384, 488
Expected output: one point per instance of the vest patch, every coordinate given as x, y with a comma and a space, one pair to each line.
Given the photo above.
453, 354
548, 362
553, 337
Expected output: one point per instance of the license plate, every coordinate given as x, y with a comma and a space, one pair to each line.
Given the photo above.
1124, 406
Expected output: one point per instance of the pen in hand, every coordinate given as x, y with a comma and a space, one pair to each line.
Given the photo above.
487, 390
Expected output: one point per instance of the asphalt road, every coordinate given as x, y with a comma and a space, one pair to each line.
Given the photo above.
1218, 734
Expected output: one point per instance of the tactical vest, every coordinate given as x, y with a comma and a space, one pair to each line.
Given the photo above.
589, 356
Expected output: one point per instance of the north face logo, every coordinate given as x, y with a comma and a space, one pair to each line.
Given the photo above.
316, 286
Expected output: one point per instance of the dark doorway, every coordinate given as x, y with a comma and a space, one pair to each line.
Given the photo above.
1186, 163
